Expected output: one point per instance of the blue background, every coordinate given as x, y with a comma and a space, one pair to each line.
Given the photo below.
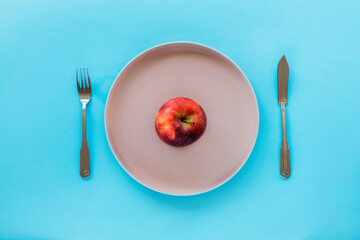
42, 195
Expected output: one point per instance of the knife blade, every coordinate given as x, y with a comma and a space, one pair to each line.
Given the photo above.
283, 80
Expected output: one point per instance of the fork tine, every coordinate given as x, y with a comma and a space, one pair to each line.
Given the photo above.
82, 80
77, 79
89, 80
85, 80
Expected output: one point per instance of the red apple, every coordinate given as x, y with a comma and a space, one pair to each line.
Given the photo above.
180, 122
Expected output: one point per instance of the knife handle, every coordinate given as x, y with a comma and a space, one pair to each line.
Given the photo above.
285, 169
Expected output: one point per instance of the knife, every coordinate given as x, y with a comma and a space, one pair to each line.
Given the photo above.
282, 80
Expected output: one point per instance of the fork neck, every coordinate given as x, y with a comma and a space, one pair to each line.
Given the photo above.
84, 120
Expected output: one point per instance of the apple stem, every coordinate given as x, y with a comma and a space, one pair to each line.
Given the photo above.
193, 123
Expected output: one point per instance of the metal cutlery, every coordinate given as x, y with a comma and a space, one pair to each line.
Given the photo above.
84, 90
282, 81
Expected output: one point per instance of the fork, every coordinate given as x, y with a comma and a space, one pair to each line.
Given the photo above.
84, 89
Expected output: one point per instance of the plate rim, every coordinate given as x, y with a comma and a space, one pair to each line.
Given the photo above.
175, 43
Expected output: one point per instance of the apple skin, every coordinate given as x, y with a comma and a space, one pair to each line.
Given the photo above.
180, 122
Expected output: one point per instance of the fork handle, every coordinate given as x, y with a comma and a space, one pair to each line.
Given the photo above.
84, 151
284, 151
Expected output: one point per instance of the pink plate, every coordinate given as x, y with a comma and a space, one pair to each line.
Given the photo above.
182, 69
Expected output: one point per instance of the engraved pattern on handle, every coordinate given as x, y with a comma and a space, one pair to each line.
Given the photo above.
285, 161
285, 169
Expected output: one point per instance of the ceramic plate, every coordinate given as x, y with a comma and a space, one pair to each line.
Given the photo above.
182, 69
